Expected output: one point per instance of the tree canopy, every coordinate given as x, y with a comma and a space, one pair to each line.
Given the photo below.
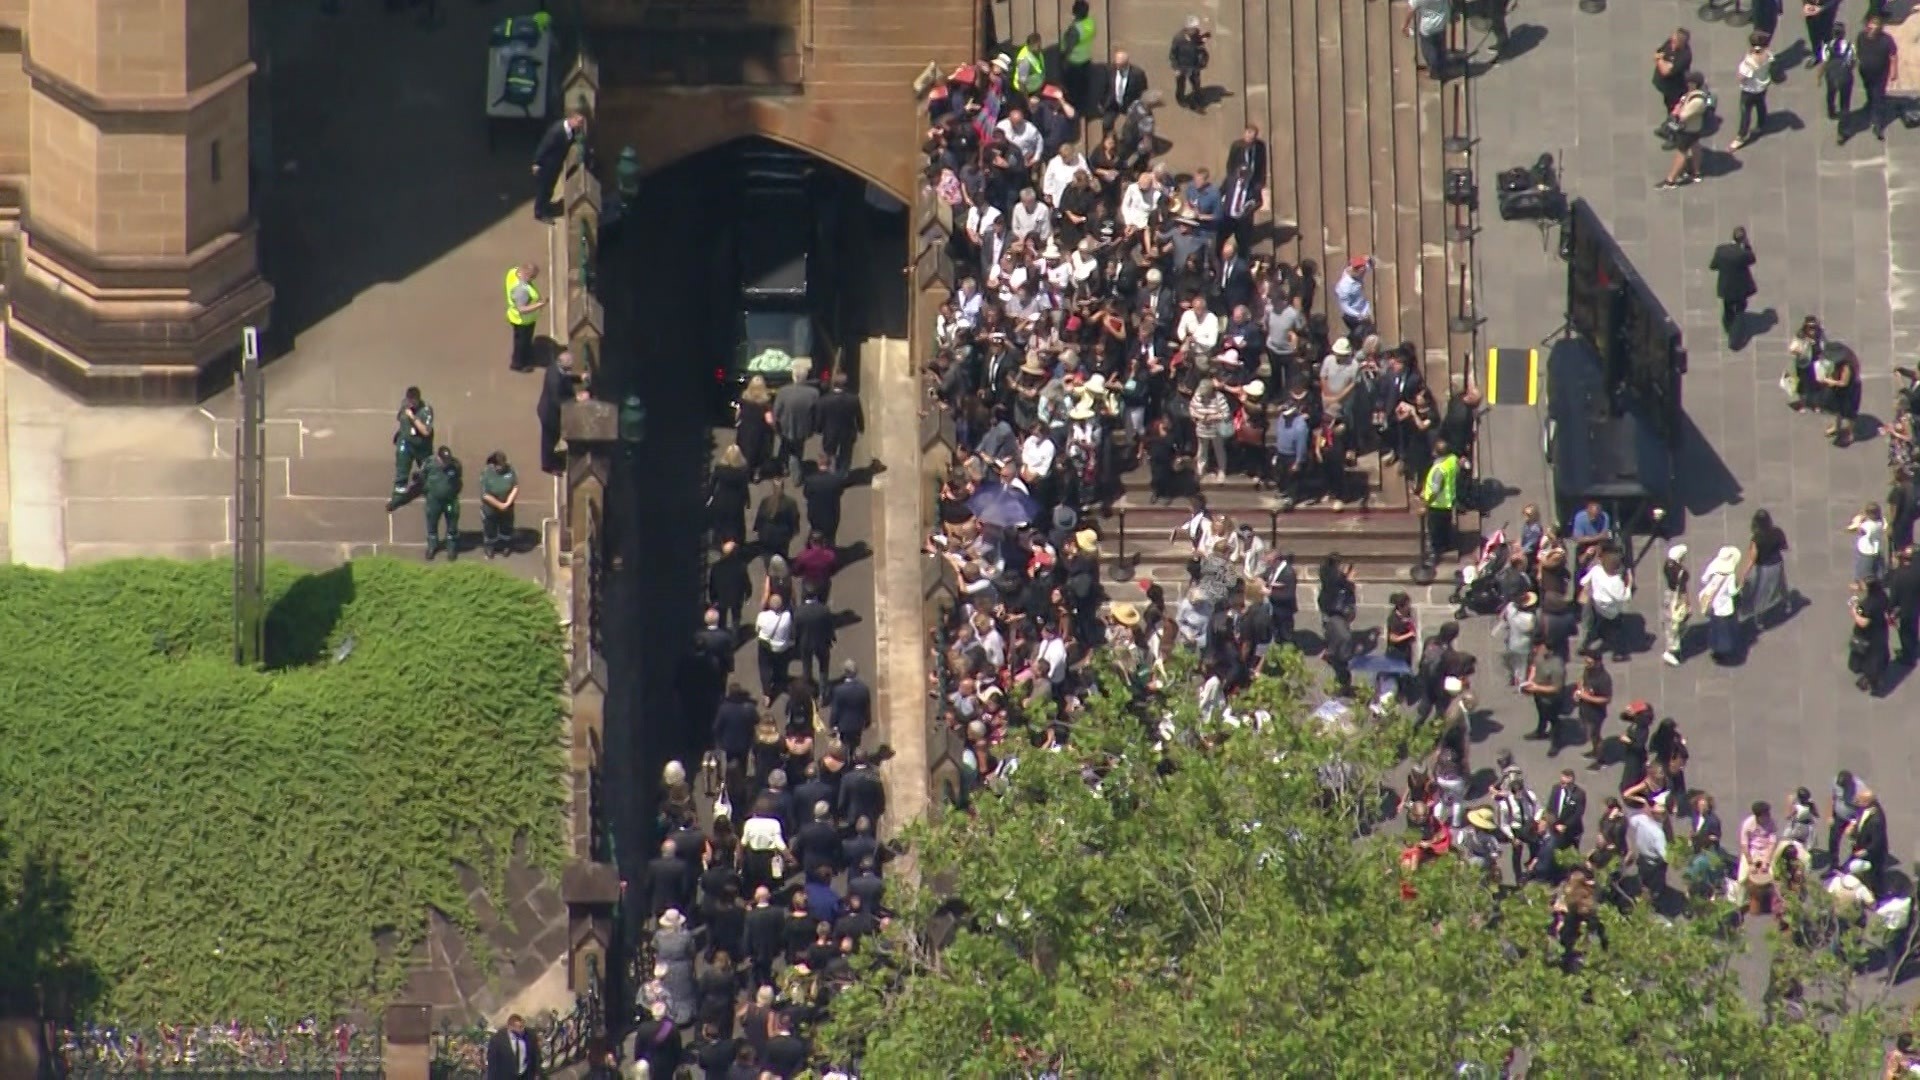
187, 840
1207, 905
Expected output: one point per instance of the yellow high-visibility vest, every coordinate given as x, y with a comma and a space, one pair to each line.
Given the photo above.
1031, 64
1082, 51
1441, 480
514, 317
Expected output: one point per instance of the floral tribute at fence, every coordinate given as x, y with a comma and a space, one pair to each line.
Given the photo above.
307, 1047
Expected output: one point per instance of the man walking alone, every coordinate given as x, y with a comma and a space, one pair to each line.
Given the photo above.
1732, 266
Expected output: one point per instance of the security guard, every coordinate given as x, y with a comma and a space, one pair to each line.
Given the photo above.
1438, 493
499, 490
1076, 56
1030, 67
523, 310
443, 502
412, 443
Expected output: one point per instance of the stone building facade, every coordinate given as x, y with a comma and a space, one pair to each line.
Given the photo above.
131, 248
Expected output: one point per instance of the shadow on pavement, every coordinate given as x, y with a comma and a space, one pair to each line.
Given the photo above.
378, 162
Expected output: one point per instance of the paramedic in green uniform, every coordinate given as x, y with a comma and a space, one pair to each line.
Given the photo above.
443, 503
499, 490
412, 443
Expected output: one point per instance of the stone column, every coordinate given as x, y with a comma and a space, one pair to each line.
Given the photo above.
138, 261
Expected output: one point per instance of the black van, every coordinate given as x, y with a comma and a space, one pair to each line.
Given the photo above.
774, 243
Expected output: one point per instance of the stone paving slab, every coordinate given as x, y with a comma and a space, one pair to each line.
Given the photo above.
1819, 219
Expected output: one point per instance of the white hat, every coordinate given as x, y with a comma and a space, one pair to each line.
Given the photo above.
1082, 410
1677, 552
1001, 63
1453, 685
1097, 384
1342, 347
1052, 250
1726, 561
671, 919
1256, 389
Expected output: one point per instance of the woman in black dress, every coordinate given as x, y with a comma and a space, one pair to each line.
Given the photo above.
727, 497
1634, 751
1867, 649
753, 427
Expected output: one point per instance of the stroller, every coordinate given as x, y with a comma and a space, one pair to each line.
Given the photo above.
1475, 589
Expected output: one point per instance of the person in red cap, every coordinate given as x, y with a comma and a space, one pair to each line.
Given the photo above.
1350, 292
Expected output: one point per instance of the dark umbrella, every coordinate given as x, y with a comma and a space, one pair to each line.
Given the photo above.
1003, 507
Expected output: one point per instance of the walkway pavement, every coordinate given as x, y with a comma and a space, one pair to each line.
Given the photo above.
1836, 230
389, 226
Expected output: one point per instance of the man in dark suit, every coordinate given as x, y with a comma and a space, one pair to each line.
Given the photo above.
1239, 202
513, 1053
813, 635
549, 157
850, 707
1249, 153
1868, 840
1732, 265
668, 881
861, 793
1233, 281
839, 420
765, 936
557, 387
1125, 82
1565, 816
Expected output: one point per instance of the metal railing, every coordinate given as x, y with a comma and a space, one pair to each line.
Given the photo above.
307, 1048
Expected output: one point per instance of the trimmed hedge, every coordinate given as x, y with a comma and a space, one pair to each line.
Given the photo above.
250, 844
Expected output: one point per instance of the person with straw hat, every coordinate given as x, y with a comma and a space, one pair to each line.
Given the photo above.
1719, 593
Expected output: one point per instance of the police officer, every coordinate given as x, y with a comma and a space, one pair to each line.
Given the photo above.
523, 311
499, 490
412, 443
443, 503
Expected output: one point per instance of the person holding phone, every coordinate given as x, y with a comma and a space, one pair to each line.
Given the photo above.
1755, 73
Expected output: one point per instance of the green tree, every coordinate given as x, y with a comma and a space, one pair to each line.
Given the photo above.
1211, 908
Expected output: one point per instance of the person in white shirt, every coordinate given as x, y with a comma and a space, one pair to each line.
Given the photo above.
1036, 456
1061, 170
1719, 588
1350, 293
1199, 328
1869, 543
1050, 659
1024, 136
1139, 202
1031, 220
1756, 75
773, 627
980, 219
1605, 589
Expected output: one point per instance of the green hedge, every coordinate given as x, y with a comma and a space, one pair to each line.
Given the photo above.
226, 843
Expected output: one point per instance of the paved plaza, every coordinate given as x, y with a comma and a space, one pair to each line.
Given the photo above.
1837, 233
389, 226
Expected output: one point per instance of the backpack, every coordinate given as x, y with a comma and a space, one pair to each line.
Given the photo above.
521, 87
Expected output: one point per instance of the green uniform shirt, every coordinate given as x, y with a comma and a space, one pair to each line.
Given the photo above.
443, 479
406, 433
498, 483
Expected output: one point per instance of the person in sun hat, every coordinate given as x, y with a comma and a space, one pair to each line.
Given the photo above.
1480, 842
1718, 597
1676, 587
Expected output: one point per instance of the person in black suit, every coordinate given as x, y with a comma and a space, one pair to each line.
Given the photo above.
1233, 281
1565, 815
1125, 82
839, 421
1868, 840
513, 1053
1732, 265
1239, 202
861, 793
549, 157
669, 881
764, 938
1249, 152
557, 387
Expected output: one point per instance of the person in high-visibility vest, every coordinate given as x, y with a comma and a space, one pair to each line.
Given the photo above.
523, 311
1030, 67
1076, 56
1438, 494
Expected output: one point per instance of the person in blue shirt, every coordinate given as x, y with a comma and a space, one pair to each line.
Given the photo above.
1591, 529
1203, 198
1291, 429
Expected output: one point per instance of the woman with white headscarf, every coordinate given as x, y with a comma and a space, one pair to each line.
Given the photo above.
1719, 588
1677, 587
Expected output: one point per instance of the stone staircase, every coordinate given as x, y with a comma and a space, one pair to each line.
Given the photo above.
1355, 136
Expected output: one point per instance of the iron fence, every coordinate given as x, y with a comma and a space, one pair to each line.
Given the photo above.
308, 1048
